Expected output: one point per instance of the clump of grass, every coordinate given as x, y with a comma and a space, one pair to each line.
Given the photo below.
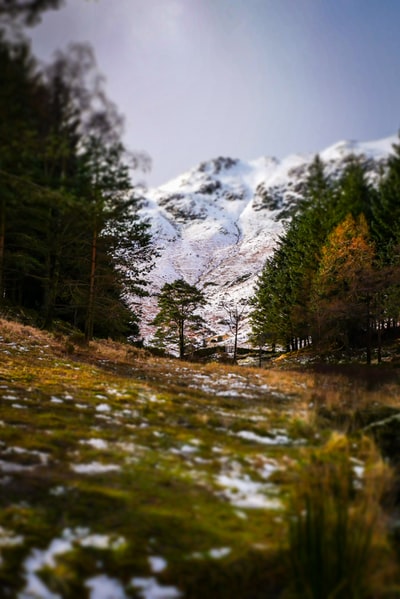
338, 547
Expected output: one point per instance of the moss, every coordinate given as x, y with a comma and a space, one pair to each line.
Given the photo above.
171, 441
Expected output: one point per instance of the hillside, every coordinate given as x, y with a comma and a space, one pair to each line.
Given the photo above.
128, 476
215, 225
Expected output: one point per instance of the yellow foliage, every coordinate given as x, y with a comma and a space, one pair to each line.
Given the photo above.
348, 251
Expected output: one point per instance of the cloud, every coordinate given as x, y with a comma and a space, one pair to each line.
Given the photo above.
159, 21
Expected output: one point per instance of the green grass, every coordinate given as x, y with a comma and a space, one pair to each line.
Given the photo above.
180, 451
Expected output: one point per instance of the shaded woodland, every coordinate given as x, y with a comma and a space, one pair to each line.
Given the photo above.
71, 244
333, 280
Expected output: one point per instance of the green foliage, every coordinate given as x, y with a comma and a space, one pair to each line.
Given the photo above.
329, 279
177, 317
281, 310
386, 210
71, 244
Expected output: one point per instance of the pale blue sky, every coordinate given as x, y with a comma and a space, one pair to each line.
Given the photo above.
197, 79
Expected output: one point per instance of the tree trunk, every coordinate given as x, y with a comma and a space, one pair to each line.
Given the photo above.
51, 292
236, 340
380, 325
53, 264
369, 333
90, 308
2, 245
181, 340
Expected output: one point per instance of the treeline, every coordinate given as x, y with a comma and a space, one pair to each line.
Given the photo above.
334, 278
71, 245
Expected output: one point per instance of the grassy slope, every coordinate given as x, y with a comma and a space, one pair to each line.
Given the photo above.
157, 458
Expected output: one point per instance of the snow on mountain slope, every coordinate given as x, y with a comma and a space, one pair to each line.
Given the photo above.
215, 225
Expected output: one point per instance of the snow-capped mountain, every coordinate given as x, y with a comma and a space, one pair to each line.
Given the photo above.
215, 225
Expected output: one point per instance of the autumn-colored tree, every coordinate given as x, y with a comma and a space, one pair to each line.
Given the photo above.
346, 282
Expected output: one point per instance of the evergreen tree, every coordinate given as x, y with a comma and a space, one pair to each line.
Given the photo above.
355, 194
71, 244
281, 301
178, 303
386, 210
284, 304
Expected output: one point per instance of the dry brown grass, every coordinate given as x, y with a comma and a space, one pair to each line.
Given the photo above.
338, 390
12, 331
118, 352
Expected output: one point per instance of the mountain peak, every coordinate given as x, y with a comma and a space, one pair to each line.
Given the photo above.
215, 225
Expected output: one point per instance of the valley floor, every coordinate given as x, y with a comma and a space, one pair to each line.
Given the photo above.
125, 475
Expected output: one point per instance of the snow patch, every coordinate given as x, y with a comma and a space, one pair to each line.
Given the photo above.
246, 493
103, 587
219, 553
103, 407
149, 588
38, 559
278, 439
94, 468
96, 443
157, 564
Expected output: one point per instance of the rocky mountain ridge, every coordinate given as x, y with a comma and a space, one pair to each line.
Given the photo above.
215, 225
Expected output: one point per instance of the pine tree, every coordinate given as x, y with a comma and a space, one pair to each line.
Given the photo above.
71, 244
355, 194
281, 302
178, 303
386, 210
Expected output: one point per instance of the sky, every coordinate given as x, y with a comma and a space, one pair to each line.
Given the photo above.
198, 79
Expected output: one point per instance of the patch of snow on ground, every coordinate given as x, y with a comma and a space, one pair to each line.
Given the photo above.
242, 491
151, 589
219, 553
8, 539
94, 468
96, 443
267, 469
102, 542
103, 407
11, 467
35, 562
43, 457
185, 449
103, 587
37, 559
246, 493
278, 439
157, 563
56, 400
57, 491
